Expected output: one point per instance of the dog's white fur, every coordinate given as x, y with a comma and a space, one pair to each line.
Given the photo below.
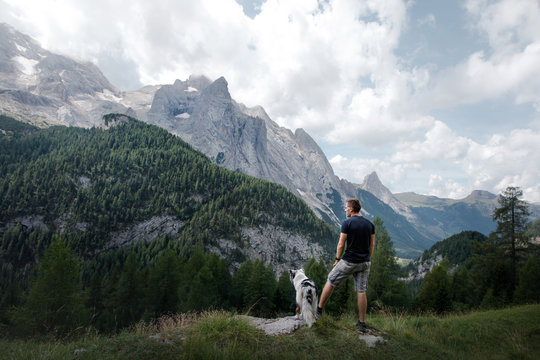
306, 296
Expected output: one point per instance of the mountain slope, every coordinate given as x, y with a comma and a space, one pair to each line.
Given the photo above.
247, 140
104, 189
445, 217
410, 240
372, 184
46, 89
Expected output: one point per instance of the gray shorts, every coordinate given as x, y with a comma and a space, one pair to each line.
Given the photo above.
343, 269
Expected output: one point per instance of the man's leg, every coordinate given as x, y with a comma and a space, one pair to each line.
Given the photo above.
360, 285
325, 295
362, 306
336, 276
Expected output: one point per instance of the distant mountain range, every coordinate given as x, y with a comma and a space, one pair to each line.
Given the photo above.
45, 89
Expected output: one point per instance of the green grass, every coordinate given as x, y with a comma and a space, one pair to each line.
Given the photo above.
512, 333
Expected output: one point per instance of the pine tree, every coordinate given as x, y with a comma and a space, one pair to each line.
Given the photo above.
463, 291
528, 290
435, 294
95, 296
384, 287
512, 219
284, 298
317, 272
260, 289
163, 285
107, 320
129, 297
203, 293
240, 282
55, 303
222, 277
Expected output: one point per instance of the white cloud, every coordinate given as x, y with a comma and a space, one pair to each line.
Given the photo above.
331, 68
446, 188
509, 25
461, 165
302, 60
510, 67
480, 79
429, 20
506, 160
439, 143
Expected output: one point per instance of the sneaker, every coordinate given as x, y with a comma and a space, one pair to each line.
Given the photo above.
361, 327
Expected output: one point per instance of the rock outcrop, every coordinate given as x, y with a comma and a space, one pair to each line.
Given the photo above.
288, 324
373, 184
247, 140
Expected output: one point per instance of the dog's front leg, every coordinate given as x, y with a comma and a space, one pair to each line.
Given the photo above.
297, 312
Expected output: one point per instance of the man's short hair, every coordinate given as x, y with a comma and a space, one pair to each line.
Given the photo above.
354, 204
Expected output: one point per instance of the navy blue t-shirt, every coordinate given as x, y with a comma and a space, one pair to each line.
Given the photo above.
359, 231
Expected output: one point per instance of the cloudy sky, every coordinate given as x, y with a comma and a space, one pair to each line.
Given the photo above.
438, 97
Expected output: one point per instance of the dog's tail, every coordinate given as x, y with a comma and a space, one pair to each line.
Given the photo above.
309, 304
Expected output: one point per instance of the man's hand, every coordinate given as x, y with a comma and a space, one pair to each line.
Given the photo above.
335, 263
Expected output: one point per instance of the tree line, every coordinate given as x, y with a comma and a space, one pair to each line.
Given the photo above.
117, 289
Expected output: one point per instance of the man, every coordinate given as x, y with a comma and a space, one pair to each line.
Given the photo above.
358, 233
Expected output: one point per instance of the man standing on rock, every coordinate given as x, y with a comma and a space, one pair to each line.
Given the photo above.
358, 233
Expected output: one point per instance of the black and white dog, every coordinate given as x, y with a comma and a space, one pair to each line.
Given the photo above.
306, 296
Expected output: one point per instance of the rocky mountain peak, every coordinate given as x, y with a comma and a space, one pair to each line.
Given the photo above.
198, 82
13, 42
304, 137
478, 195
45, 89
373, 184
218, 91
315, 153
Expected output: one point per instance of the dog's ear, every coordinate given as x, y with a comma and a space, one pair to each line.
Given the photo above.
292, 273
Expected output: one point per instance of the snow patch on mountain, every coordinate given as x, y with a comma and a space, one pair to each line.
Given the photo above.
25, 65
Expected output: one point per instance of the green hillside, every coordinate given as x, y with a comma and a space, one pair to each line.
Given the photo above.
10, 127
89, 183
457, 249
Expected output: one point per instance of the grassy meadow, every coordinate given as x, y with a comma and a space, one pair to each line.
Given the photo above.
512, 333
